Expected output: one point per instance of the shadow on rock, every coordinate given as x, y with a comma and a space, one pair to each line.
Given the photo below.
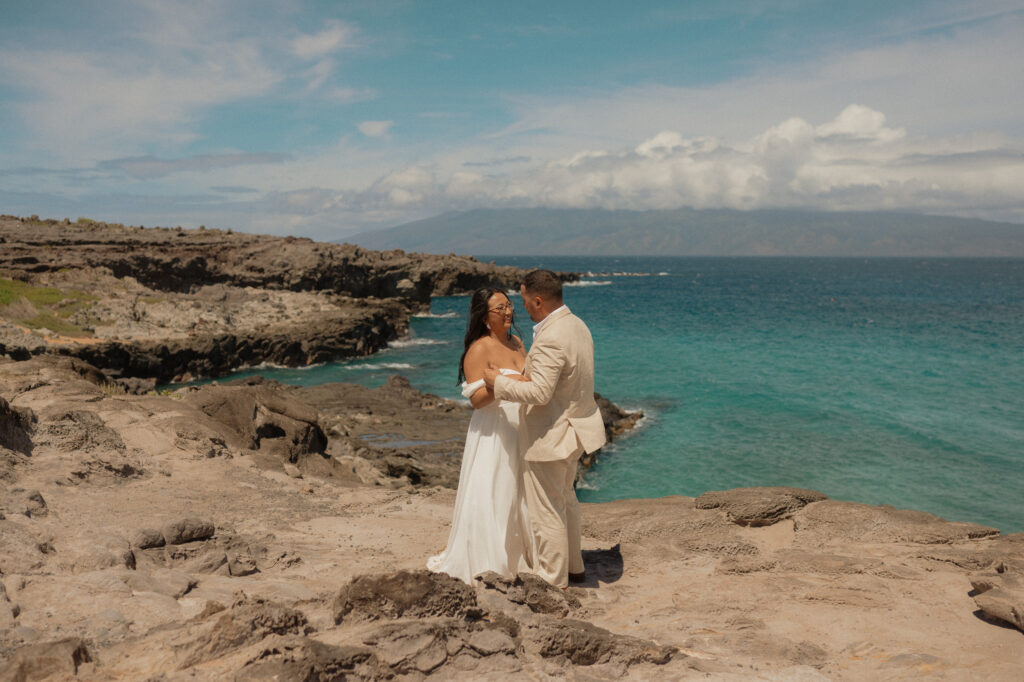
603, 566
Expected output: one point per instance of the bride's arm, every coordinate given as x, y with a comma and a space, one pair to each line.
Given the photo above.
474, 366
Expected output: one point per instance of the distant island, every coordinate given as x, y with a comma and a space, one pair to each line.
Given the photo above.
691, 232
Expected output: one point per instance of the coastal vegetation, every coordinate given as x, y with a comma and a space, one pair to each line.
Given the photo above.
43, 307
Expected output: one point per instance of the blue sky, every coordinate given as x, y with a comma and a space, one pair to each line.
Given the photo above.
329, 118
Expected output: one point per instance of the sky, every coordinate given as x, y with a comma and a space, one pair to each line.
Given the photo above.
329, 118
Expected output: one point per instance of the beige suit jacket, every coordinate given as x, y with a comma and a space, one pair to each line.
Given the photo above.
559, 412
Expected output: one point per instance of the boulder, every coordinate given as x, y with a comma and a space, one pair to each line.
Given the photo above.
264, 417
404, 594
187, 530
57, 659
762, 506
146, 538
999, 593
616, 420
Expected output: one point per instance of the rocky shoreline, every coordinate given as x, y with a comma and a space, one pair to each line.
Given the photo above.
251, 530
171, 305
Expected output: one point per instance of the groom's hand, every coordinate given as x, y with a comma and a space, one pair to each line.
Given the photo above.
490, 373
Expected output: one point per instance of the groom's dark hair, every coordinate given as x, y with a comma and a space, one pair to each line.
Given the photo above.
543, 283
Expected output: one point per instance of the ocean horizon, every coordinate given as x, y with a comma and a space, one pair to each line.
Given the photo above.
876, 380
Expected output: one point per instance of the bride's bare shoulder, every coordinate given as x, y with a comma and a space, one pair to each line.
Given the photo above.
481, 348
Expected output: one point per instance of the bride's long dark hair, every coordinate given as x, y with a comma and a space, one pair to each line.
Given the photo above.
477, 325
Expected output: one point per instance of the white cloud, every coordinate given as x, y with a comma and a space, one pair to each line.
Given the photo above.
853, 161
142, 89
375, 128
335, 36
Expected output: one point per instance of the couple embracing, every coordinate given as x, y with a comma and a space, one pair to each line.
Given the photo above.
534, 415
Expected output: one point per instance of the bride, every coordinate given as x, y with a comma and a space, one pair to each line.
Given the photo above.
490, 525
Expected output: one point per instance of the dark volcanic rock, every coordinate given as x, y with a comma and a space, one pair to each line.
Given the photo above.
168, 260
16, 426
758, 506
360, 329
404, 594
616, 420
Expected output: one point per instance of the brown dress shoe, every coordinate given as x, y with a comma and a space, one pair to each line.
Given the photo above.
578, 577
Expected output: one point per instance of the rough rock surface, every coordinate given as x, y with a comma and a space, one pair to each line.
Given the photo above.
403, 594
999, 592
758, 506
263, 417
838, 591
170, 305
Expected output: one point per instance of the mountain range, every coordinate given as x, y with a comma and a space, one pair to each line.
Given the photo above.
693, 232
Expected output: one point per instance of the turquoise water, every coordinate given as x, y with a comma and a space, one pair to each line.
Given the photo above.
895, 381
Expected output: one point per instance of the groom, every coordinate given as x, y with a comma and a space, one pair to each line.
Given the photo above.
558, 421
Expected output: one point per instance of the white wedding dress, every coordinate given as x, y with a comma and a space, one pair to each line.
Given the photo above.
490, 525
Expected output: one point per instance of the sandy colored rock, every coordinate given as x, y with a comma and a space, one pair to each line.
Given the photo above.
405, 593
758, 506
189, 529
57, 659
583, 643
298, 657
146, 538
531, 591
832, 522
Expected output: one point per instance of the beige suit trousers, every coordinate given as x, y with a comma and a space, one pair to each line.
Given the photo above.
554, 518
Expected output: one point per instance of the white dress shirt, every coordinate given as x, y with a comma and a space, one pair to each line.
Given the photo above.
540, 325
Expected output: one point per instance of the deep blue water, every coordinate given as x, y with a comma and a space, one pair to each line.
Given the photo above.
896, 381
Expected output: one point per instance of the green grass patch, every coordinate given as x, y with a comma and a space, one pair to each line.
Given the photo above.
52, 306
12, 290
54, 324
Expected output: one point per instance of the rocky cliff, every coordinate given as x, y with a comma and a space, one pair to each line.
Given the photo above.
170, 304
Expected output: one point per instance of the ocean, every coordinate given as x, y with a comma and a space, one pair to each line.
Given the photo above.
885, 381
